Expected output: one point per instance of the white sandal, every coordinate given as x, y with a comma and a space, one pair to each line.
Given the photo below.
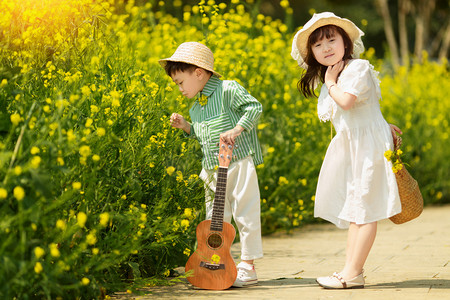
337, 282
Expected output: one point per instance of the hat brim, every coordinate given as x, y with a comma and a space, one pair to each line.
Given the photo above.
163, 63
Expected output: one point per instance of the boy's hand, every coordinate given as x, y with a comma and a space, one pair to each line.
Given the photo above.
178, 121
231, 135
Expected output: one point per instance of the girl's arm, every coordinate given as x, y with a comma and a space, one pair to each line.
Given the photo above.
343, 99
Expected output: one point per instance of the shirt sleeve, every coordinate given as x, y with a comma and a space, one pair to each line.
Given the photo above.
191, 134
356, 79
245, 103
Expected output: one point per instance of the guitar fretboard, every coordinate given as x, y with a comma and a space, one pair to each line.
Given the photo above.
219, 200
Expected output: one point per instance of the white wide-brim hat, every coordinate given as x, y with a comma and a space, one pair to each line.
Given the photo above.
300, 42
193, 53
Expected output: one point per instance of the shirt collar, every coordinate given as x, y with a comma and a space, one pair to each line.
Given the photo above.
211, 86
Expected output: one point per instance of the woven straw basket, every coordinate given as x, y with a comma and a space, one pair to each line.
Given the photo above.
410, 196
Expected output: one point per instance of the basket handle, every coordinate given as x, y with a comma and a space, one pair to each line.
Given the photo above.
397, 142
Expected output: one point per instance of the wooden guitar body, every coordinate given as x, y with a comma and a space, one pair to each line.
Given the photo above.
212, 264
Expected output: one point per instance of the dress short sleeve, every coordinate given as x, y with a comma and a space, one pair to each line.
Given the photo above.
356, 79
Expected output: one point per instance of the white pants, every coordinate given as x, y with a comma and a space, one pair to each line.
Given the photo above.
242, 201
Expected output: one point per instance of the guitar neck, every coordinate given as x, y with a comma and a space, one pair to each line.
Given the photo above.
219, 200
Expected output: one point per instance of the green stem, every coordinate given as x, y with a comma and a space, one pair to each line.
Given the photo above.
19, 141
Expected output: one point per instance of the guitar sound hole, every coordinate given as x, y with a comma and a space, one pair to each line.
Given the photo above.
215, 241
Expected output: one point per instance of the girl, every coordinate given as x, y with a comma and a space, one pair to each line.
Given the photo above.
356, 186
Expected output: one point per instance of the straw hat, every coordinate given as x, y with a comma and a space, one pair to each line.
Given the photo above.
300, 42
195, 54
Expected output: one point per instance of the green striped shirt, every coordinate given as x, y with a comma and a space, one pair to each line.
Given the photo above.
228, 104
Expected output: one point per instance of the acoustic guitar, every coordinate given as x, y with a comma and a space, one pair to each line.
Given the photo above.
211, 265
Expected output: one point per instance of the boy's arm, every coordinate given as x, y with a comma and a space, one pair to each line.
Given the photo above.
189, 132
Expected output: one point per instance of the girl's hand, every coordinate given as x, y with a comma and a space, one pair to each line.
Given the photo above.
394, 130
178, 121
332, 73
230, 136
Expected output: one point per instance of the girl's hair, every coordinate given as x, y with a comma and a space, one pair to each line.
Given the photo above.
173, 67
315, 70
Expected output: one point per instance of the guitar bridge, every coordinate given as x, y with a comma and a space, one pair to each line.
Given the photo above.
211, 266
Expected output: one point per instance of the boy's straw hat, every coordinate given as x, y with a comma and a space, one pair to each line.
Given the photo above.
300, 42
195, 54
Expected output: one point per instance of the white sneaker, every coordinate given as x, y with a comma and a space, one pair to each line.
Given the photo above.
246, 275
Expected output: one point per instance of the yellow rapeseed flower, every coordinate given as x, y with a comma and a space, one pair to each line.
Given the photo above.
15, 119
94, 109
54, 251
85, 151
76, 185
85, 281
170, 170
95, 251
17, 170
61, 224
388, 154
184, 223
91, 239
101, 131
60, 161
104, 218
282, 180
38, 252
81, 219
3, 193
215, 258
34, 150
38, 268
188, 212
36, 161
19, 193
85, 90
89, 122
143, 217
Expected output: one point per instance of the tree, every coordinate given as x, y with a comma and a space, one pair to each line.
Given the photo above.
422, 12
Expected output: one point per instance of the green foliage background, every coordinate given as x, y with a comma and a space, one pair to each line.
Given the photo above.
98, 191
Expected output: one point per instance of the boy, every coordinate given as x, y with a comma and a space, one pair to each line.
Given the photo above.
223, 109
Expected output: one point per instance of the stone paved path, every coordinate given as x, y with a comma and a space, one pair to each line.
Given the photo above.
409, 261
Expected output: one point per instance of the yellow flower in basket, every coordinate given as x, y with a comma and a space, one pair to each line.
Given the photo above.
394, 158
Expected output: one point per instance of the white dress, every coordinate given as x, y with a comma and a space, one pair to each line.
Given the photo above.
356, 182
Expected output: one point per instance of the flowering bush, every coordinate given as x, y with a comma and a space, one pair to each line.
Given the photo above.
98, 189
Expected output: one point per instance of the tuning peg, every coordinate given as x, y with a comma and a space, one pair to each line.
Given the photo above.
228, 157
229, 147
221, 155
235, 146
